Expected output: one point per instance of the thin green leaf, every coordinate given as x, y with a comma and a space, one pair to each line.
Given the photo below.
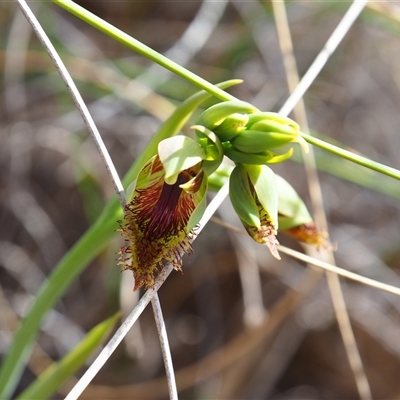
58, 373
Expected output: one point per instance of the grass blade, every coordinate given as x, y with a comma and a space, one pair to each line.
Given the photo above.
53, 377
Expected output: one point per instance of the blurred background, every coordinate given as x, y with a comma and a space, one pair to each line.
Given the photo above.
225, 342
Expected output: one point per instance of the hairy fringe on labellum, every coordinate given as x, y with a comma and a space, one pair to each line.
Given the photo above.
155, 224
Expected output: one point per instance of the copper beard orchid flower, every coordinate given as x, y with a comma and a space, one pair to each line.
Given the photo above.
166, 203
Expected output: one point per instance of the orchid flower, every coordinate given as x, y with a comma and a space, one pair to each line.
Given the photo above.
165, 203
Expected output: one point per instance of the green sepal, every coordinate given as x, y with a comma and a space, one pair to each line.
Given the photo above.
216, 114
242, 197
212, 147
201, 201
177, 154
292, 209
146, 177
264, 183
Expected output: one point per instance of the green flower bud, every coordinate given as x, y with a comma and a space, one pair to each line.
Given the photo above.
252, 190
266, 131
231, 126
264, 157
294, 218
256, 141
270, 116
216, 114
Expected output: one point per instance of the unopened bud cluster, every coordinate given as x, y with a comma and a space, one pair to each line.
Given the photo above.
252, 139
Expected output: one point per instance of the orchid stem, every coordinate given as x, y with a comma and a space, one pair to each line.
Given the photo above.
348, 155
141, 48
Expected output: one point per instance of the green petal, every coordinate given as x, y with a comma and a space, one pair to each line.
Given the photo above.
270, 116
177, 154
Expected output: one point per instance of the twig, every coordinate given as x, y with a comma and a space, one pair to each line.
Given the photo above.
119, 335
340, 271
344, 25
80, 104
335, 289
318, 263
166, 353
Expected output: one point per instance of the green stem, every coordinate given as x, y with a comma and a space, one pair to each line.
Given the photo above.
141, 48
348, 155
